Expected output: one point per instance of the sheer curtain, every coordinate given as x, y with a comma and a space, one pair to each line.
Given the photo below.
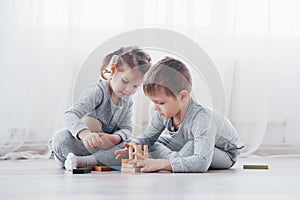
254, 44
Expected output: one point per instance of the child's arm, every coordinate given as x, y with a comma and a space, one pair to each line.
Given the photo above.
204, 130
72, 119
151, 165
89, 139
152, 132
101, 140
202, 146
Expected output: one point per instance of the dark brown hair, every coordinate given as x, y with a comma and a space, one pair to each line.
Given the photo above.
169, 74
132, 56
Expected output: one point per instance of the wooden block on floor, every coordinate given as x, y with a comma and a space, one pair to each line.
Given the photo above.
130, 170
101, 168
82, 171
255, 166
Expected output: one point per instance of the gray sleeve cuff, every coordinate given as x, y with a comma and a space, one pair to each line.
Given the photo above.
77, 128
176, 164
124, 136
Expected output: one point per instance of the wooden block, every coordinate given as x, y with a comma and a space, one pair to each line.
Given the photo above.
135, 148
256, 167
129, 170
146, 151
125, 161
82, 170
139, 149
130, 151
98, 168
101, 168
127, 165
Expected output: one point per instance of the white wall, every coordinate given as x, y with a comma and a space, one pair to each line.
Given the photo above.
254, 45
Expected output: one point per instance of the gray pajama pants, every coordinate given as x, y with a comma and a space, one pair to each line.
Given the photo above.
63, 143
220, 159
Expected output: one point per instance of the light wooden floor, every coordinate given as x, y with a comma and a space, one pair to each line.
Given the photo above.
41, 179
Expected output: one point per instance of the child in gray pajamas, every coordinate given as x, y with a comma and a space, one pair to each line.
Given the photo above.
99, 123
197, 138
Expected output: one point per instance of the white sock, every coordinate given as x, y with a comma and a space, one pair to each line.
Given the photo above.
73, 161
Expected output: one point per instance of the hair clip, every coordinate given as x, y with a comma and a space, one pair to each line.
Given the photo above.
112, 63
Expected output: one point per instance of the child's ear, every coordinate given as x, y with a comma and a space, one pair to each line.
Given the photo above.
183, 95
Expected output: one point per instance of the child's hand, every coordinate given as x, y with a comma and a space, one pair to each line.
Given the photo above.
109, 140
90, 140
101, 140
151, 165
123, 152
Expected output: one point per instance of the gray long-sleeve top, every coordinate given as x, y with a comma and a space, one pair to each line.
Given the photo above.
97, 103
201, 126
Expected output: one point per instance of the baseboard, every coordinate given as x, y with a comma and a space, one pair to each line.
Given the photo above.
282, 149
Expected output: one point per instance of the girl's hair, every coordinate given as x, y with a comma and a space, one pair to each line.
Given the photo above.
168, 74
132, 56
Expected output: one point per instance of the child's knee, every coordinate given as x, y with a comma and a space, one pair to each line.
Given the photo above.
221, 160
60, 140
93, 124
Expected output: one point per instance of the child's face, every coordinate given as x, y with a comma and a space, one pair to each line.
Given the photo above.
125, 81
166, 106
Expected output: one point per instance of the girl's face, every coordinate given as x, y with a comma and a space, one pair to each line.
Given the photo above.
125, 81
166, 106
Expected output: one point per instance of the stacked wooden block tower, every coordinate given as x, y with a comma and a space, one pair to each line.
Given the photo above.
126, 167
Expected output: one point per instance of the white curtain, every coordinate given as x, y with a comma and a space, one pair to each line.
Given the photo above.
254, 45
